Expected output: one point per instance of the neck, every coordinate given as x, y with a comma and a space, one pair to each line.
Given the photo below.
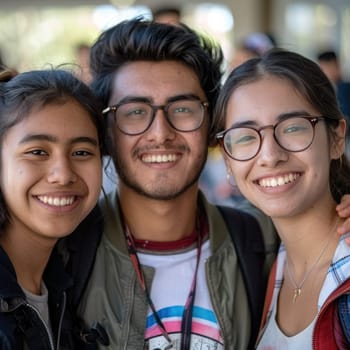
28, 257
306, 236
159, 220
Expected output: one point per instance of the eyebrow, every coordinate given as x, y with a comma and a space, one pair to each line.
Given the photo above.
282, 116
54, 139
146, 99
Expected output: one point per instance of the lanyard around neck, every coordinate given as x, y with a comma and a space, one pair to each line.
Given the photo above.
186, 324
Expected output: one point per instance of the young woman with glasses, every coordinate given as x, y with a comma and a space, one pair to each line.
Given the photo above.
284, 143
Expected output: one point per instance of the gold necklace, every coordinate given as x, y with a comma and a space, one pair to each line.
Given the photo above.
298, 287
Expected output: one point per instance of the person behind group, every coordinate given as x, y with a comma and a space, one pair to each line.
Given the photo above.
82, 57
253, 45
159, 84
51, 134
284, 142
330, 64
167, 14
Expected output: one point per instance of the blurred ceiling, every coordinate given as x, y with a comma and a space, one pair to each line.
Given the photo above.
11, 4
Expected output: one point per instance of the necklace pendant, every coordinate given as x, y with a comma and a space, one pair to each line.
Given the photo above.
169, 346
297, 292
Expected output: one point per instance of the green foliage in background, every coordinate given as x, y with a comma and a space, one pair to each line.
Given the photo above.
33, 39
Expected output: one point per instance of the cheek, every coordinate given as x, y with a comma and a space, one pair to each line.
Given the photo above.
200, 141
12, 172
123, 144
199, 147
240, 172
92, 176
236, 168
14, 183
318, 156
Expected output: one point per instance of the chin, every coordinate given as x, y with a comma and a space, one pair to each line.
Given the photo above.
57, 232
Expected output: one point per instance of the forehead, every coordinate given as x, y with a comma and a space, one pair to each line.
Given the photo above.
155, 80
66, 118
266, 98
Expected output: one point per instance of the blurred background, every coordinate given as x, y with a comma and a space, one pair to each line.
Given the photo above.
37, 33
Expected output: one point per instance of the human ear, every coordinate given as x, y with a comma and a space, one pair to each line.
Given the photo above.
339, 140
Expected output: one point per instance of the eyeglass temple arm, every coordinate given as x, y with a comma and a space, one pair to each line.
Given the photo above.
109, 109
220, 135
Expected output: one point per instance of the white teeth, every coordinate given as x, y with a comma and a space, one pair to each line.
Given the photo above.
160, 158
57, 201
278, 181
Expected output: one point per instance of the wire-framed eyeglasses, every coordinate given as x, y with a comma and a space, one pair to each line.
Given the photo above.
135, 117
294, 134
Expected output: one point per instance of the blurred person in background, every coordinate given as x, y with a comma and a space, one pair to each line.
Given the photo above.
330, 64
169, 15
82, 57
253, 45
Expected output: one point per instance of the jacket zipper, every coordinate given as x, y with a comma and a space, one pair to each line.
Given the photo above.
45, 325
63, 308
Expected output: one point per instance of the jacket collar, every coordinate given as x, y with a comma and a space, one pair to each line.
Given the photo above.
54, 276
9, 287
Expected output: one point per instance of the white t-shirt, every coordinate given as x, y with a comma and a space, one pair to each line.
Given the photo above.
302, 340
170, 288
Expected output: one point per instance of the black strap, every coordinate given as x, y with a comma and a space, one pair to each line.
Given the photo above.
250, 249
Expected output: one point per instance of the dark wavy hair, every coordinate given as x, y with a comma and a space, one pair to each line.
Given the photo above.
143, 40
310, 82
21, 93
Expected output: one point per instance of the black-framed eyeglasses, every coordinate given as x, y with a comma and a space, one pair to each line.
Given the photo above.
135, 117
294, 134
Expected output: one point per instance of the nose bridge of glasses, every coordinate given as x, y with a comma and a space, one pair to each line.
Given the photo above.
275, 138
273, 127
262, 132
156, 108
164, 120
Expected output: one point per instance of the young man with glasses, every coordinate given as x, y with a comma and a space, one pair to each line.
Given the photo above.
166, 274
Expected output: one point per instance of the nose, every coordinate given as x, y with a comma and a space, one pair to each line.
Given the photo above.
271, 153
61, 172
160, 129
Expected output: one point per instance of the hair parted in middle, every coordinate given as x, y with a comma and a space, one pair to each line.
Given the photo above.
311, 83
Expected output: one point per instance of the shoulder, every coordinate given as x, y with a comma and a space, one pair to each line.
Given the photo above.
8, 333
11, 337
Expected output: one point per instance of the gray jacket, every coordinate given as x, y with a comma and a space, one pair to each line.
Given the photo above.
114, 298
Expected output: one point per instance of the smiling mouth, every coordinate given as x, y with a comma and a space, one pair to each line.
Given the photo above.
159, 158
278, 181
57, 201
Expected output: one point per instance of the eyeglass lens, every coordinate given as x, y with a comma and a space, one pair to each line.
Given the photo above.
136, 117
293, 134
